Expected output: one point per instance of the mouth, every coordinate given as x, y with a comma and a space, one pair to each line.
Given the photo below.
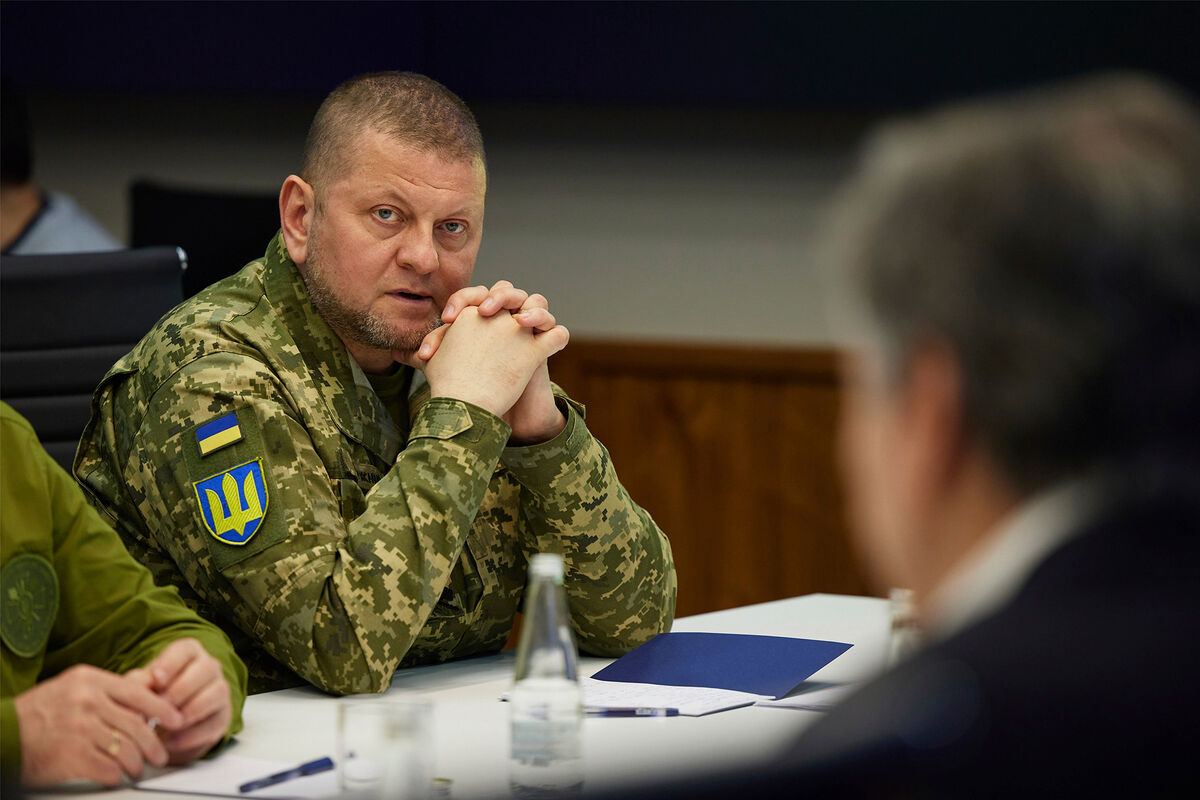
411, 297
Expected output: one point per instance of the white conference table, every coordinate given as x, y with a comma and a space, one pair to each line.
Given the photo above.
471, 727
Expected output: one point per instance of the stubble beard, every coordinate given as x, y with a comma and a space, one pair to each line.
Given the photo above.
356, 324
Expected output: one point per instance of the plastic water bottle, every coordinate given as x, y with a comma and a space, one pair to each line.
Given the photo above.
545, 704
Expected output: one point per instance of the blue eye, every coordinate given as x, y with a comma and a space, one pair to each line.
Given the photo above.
454, 227
386, 214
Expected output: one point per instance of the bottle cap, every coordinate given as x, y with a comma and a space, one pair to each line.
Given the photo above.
547, 565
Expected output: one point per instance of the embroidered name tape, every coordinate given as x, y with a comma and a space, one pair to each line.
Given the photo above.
221, 432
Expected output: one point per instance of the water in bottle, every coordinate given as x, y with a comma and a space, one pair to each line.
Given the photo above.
545, 703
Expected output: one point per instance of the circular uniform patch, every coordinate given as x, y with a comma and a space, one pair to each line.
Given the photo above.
28, 603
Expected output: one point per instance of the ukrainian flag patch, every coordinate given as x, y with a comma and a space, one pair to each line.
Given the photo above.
221, 432
233, 503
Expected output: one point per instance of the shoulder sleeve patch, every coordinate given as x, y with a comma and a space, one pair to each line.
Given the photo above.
28, 603
220, 432
233, 503
228, 493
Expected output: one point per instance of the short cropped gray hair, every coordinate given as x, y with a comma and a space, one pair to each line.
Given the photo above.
406, 107
1052, 239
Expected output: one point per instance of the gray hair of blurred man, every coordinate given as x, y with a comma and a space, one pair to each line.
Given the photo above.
1052, 240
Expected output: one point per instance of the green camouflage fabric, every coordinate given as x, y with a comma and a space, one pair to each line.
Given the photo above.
70, 593
382, 544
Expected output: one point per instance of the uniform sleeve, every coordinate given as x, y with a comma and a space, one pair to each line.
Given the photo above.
339, 602
111, 615
10, 737
620, 576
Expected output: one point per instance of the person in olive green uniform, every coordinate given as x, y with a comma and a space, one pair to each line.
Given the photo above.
95, 656
345, 454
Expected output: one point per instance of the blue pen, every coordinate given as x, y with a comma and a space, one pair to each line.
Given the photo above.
633, 712
311, 768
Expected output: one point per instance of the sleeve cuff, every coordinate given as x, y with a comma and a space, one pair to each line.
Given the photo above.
10, 740
447, 418
540, 464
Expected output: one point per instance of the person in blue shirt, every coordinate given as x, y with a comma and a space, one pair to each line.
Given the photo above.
32, 219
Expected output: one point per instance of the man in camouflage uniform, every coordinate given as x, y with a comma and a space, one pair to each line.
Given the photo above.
343, 484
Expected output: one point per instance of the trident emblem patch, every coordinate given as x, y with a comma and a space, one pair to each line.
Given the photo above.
233, 503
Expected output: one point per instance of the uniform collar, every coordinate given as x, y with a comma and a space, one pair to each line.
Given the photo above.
353, 404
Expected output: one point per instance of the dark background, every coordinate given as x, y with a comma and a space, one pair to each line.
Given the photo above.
791, 56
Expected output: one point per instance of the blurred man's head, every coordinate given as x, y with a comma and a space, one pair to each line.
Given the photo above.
386, 218
1030, 270
16, 148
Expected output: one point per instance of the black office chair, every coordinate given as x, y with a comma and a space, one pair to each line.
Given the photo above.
65, 319
221, 231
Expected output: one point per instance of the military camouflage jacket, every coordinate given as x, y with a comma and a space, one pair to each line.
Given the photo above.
244, 457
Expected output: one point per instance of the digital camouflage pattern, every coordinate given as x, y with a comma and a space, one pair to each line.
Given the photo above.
382, 544
70, 593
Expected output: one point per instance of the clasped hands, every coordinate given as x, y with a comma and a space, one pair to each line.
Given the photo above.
87, 723
492, 352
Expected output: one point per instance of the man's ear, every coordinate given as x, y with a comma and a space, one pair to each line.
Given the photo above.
297, 205
935, 417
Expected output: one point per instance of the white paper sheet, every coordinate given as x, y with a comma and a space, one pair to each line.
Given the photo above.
690, 701
820, 697
222, 775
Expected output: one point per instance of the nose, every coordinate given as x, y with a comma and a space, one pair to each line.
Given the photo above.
418, 250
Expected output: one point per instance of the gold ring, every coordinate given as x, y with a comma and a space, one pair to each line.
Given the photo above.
114, 746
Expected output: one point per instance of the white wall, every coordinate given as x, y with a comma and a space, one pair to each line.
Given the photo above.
677, 226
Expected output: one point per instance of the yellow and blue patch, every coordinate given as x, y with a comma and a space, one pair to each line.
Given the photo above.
233, 503
221, 432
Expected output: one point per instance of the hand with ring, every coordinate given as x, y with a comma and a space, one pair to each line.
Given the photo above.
90, 724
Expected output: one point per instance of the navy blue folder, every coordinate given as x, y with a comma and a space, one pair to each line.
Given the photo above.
767, 665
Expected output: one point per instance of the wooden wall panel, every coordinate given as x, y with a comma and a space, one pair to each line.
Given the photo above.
731, 450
